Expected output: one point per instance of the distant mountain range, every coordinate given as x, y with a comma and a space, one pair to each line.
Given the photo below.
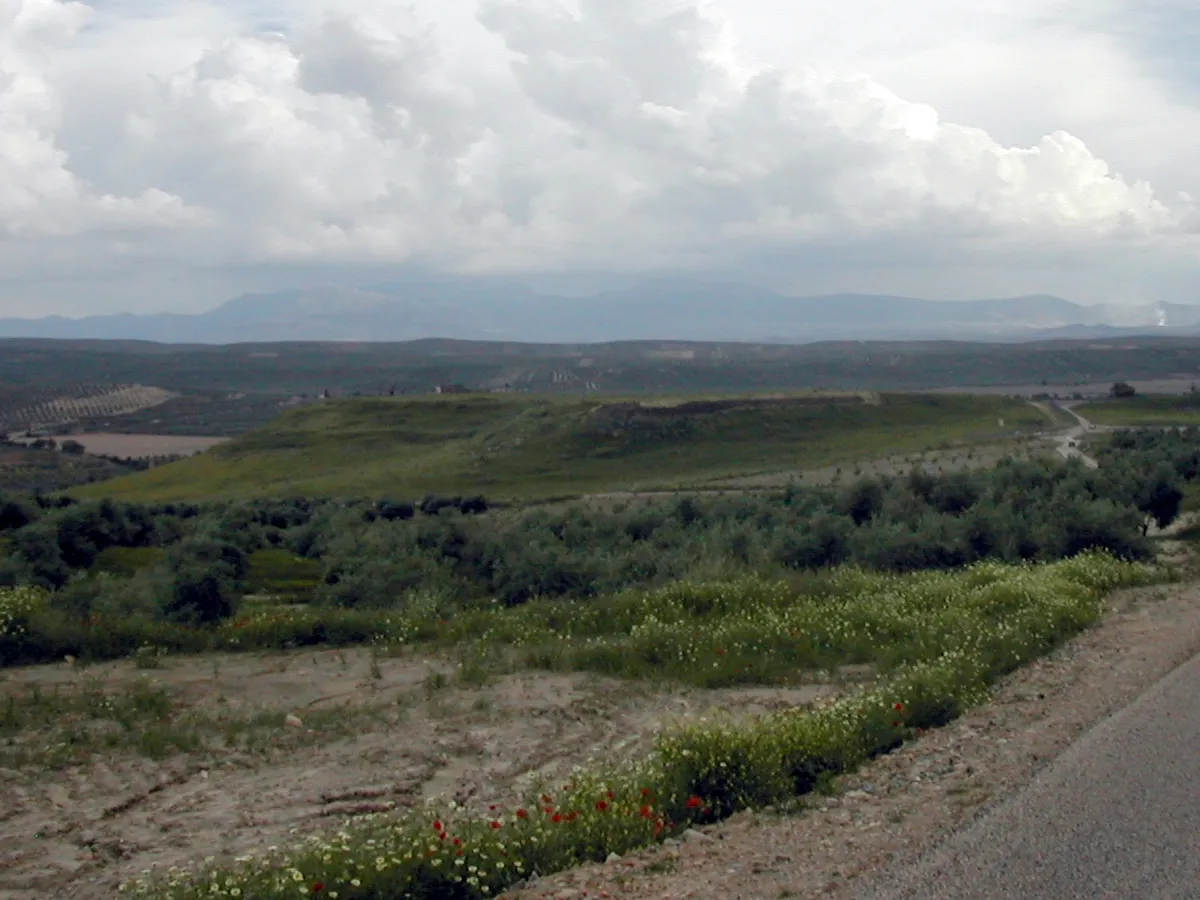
661, 309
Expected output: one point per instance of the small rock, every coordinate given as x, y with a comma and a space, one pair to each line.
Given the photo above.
692, 836
293, 721
671, 842
613, 857
58, 796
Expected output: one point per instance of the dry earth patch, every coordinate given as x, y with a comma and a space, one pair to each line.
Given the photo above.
369, 733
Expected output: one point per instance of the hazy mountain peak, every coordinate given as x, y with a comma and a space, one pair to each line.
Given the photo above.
660, 308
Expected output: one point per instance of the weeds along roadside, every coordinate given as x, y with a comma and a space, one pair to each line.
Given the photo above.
700, 773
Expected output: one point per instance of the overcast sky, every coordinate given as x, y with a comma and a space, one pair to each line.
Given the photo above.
168, 154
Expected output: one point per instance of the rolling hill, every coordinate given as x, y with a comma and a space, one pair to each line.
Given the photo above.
515, 447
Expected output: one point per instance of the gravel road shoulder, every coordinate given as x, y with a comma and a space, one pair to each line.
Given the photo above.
908, 802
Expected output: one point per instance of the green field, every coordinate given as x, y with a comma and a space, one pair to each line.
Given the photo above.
518, 447
1144, 411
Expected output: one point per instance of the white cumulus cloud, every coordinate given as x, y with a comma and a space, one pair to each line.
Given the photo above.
40, 193
528, 135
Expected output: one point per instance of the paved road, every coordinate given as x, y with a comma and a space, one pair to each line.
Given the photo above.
1116, 817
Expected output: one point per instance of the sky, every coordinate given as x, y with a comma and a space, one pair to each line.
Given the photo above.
166, 155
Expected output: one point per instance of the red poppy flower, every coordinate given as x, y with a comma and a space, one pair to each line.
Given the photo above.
899, 707
897, 724
612, 796
647, 811
546, 798
646, 792
458, 842
318, 887
497, 825
522, 814
492, 807
602, 805
549, 809
557, 817
694, 802
437, 826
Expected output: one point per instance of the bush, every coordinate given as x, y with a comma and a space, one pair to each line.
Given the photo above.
207, 575
391, 511
432, 504
1122, 390
14, 514
200, 595
472, 505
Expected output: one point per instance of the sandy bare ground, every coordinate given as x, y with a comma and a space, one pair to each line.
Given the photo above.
377, 734
907, 803
136, 446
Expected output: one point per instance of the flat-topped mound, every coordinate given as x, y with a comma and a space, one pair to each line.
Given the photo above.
510, 446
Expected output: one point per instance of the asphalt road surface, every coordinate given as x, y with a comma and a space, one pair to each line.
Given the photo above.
1115, 817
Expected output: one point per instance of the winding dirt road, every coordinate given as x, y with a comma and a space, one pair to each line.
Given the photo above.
1067, 443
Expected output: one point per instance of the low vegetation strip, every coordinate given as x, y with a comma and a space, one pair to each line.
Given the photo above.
764, 631
1002, 616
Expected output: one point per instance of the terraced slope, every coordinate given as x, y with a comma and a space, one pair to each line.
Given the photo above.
39, 407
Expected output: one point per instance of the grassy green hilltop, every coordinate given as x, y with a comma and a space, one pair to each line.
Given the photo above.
513, 447
1148, 410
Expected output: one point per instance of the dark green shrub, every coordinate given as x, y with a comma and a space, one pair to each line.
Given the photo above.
200, 595
391, 511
